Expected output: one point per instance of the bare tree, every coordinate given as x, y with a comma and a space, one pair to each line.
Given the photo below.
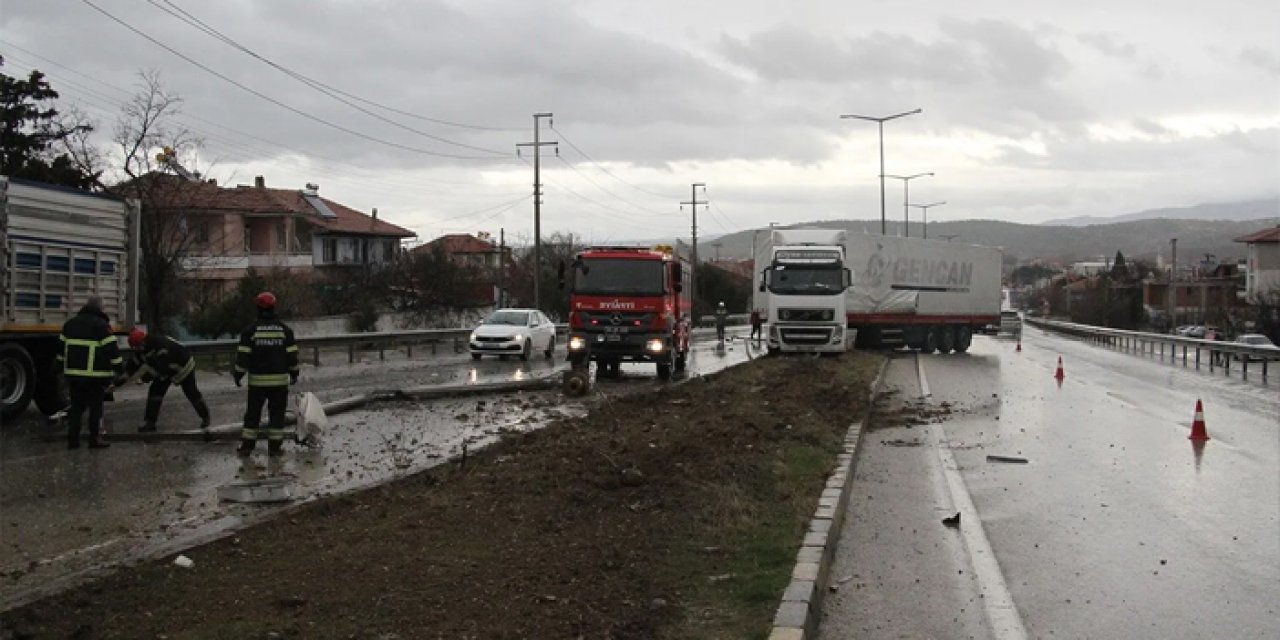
149, 144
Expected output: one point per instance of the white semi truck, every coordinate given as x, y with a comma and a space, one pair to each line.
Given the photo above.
801, 279
928, 294
58, 246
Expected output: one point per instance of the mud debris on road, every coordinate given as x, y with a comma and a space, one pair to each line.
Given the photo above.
608, 525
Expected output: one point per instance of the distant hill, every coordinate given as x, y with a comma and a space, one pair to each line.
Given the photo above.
1137, 239
1252, 210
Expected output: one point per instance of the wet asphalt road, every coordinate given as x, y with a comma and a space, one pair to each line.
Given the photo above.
1116, 527
68, 515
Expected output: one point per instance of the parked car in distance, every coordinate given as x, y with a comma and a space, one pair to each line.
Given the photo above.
1256, 340
514, 332
1192, 331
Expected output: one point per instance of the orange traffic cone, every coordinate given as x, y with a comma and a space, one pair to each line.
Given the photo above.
1059, 375
1198, 431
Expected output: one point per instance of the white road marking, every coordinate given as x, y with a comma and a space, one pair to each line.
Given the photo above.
1002, 613
924, 383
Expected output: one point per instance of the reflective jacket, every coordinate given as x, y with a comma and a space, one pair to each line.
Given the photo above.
162, 357
267, 352
88, 348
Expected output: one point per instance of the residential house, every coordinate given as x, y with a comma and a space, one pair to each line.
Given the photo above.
225, 231
481, 253
1262, 274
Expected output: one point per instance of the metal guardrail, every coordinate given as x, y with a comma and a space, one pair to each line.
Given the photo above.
1221, 354
379, 341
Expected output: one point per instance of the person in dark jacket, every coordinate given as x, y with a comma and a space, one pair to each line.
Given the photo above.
268, 354
163, 361
757, 324
90, 362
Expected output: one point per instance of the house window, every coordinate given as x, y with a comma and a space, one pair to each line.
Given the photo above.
200, 232
330, 251
248, 239
282, 232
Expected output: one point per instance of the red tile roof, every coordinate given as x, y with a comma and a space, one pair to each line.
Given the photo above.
1266, 235
460, 243
176, 193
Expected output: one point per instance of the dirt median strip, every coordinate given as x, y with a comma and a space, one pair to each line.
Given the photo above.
675, 513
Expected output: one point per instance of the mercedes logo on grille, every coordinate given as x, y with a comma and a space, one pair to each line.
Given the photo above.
616, 318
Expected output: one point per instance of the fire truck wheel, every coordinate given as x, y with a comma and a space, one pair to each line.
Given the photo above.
682, 361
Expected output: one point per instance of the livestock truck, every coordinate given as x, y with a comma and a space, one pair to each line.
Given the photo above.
800, 290
58, 246
629, 304
930, 295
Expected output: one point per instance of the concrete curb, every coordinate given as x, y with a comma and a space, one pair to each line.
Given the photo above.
800, 612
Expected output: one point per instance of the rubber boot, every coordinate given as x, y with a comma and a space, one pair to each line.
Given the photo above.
246, 447
275, 448
149, 427
202, 410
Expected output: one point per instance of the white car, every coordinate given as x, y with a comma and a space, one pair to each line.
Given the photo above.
1256, 340
514, 332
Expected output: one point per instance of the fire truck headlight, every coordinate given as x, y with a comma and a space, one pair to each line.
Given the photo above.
576, 343
655, 345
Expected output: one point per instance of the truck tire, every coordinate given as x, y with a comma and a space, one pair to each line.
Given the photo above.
946, 339
964, 338
17, 381
930, 343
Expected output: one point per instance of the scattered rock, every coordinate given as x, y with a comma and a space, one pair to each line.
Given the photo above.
184, 562
632, 477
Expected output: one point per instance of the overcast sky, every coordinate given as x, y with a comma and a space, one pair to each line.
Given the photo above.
1031, 110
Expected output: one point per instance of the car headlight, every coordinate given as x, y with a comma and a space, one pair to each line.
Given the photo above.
519, 337
655, 345
473, 336
576, 343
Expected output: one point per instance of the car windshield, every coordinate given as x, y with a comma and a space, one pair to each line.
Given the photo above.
517, 318
618, 276
789, 280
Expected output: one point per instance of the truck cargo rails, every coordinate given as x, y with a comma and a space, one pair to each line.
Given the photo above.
628, 304
927, 294
58, 246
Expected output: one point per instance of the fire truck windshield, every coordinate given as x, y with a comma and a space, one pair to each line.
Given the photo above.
806, 280
614, 276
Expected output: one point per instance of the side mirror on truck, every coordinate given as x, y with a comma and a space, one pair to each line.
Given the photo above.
848, 278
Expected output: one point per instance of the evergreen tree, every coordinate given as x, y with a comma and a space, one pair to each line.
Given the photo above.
32, 132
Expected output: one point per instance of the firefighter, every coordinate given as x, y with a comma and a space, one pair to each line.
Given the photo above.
164, 361
91, 362
269, 356
722, 316
757, 324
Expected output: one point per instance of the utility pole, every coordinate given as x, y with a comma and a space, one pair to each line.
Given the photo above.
1173, 288
537, 145
502, 267
693, 203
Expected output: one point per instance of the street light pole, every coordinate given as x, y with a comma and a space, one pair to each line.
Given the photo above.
880, 121
906, 223
924, 210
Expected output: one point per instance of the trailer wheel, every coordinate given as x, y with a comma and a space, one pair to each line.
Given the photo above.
17, 380
946, 340
964, 338
930, 343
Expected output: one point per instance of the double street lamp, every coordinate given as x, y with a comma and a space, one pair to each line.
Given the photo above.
880, 120
906, 219
924, 210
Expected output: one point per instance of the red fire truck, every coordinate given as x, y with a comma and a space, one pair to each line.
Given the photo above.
629, 304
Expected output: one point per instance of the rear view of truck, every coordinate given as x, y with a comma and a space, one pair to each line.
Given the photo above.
58, 246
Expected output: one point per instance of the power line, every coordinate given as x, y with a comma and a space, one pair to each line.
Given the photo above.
274, 101
646, 212
606, 170
599, 205
311, 82
218, 34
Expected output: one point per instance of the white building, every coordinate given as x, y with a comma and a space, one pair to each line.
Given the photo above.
1262, 276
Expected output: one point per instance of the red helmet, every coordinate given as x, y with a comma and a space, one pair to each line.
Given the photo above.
136, 337
265, 300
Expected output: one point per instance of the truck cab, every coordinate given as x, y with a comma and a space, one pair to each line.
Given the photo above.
629, 304
804, 285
